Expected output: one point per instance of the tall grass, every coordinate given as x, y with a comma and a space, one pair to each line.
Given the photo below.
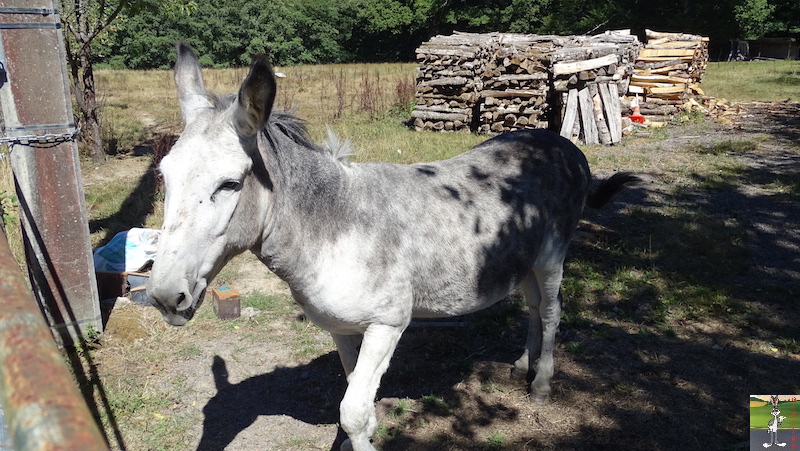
137, 104
748, 81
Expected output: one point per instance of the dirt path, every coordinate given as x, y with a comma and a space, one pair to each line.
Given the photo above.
623, 380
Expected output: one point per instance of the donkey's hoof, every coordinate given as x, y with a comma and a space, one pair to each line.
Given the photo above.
518, 374
347, 445
539, 400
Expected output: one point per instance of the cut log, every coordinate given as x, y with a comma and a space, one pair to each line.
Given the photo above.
448, 81
665, 52
588, 126
667, 89
570, 68
599, 116
570, 114
638, 79
437, 116
514, 93
610, 97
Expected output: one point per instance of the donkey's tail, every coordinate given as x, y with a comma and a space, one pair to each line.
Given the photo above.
609, 187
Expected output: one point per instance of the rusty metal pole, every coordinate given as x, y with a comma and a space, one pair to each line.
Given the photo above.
37, 109
42, 405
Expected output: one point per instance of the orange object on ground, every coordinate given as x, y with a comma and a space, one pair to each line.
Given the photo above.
637, 115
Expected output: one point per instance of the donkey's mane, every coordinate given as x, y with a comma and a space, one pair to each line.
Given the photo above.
293, 128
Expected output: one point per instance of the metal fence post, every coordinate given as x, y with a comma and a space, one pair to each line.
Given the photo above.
37, 109
41, 403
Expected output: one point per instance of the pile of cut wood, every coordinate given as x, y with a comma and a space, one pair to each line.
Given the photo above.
590, 73
516, 83
668, 72
496, 82
449, 81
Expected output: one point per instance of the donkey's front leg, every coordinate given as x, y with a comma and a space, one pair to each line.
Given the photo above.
357, 410
347, 346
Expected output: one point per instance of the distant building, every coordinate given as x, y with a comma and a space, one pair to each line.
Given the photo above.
782, 48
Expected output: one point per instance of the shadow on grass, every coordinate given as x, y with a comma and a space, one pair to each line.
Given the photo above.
650, 391
140, 203
309, 393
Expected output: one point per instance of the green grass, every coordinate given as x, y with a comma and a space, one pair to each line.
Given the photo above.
748, 81
496, 441
760, 416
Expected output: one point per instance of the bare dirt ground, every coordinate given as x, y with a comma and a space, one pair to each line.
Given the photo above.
622, 381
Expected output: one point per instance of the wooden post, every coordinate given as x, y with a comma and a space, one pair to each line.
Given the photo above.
39, 126
570, 114
588, 124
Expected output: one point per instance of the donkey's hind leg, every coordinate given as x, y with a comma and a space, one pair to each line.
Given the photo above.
542, 294
533, 346
357, 409
548, 279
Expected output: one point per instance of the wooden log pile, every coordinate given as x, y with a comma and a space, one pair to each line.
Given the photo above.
590, 74
668, 72
496, 82
516, 83
449, 81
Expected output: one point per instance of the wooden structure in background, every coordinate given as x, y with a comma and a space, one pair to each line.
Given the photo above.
669, 69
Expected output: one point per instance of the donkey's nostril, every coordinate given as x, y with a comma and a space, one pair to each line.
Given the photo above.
184, 301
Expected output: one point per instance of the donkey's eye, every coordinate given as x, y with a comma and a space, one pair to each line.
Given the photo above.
230, 185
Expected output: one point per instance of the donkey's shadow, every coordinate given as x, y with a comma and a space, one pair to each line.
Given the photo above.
423, 363
309, 393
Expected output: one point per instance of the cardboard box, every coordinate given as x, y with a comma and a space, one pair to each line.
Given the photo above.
226, 302
111, 285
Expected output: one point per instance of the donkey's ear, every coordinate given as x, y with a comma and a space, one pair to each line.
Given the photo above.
191, 92
256, 97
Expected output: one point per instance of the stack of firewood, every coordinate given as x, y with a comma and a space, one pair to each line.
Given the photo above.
491, 83
668, 72
589, 73
516, 83
449, 81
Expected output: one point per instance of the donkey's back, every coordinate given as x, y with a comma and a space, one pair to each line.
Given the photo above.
463, 232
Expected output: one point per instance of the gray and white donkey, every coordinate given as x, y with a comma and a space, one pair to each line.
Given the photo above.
366, 247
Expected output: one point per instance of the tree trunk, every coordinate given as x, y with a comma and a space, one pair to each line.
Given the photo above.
91, 121
79, 58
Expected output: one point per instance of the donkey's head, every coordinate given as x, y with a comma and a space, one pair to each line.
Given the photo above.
214, 180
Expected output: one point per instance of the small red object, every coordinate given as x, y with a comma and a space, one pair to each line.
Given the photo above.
637, 115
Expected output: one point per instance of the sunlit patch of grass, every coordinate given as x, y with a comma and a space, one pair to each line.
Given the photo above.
748, 81
496, 441
306, 344
727, 147
687, 117
785, 184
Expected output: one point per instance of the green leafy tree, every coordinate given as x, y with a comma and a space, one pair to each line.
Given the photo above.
755, 18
